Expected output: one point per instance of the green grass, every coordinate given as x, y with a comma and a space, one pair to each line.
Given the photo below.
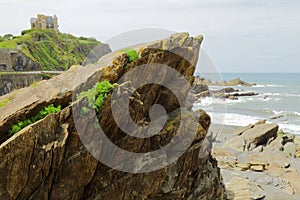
42, 114
8, 44
132, 54
51, 50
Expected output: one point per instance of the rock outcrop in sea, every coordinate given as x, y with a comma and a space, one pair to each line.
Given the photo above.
200, 89
47, 160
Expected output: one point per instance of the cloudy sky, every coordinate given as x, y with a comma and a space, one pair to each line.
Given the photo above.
240, 35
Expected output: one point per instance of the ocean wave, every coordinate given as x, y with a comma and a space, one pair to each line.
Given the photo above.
234, 119
209, 101
280, 94
283, 113
267, 85
292, 95
290, 128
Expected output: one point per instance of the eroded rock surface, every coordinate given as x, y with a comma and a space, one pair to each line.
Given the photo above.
47, 160
264, 157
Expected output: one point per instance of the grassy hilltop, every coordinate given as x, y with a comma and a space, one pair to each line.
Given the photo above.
50, 50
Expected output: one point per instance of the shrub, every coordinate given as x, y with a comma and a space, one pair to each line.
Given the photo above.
46, 76
132, 54
8, 36
42, 114
96, 95
24, 32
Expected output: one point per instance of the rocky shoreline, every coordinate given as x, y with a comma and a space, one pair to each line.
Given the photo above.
258, 161
201, 89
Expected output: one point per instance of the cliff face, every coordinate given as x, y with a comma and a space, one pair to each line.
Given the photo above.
47, 159
45, 49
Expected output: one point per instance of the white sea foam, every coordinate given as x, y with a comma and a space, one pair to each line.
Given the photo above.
280, 94
290, 128
267, 85
209, 101
284, 113
234, 119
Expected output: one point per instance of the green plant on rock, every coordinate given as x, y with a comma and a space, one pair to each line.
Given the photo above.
96, 95
132, 54
281, 133
42, 114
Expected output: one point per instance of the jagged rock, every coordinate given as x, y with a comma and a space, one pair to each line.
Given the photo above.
243, 166
297, 147
260, 122
257, 168
203, 94
199, 87
231, 97
226, 158
253, 137
243, 189
289, 149
234, 82
47, 160
230, 90
276, 116
242, 130
240, 94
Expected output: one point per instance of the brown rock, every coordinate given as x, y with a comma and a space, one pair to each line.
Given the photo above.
253, 137
257, 168
226, 158
243, 189
47, 160
240, 131
297, 146
198, 86
243, 166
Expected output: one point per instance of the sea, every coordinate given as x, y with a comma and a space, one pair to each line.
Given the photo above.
278, 101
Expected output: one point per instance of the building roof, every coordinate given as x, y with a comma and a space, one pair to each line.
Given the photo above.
33, 20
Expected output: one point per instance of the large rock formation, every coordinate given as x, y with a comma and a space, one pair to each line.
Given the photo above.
47, 159
264, 164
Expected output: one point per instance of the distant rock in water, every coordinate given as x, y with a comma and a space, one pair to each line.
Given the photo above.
200, 89
234, 82
47, 160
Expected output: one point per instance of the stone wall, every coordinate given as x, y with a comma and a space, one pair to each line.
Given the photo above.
13, 81
5, 60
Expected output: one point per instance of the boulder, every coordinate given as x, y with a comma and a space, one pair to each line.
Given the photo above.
225, 157
244, 189
253, 137
230, 90
297, 146
199, 87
